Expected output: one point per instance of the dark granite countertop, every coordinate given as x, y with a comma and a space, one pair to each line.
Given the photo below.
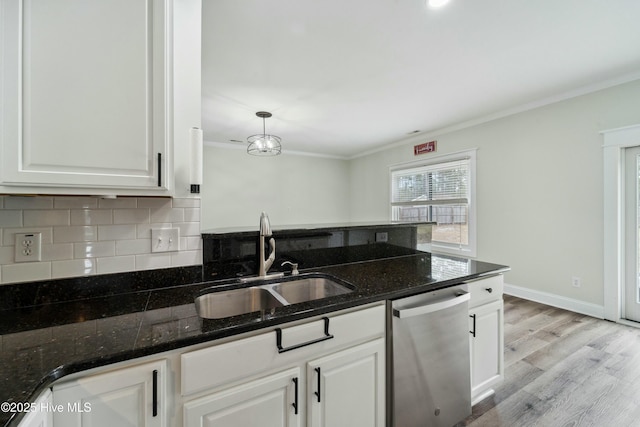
44, 339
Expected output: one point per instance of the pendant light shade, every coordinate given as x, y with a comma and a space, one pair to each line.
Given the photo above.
263, 144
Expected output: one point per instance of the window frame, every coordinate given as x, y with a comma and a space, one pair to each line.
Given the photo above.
468, 250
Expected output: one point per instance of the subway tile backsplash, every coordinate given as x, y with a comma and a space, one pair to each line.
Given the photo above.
83, 236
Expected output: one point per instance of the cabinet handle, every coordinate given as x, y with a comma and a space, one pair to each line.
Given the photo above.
159, 169
473, 333
317, 393
458, 298
327, 336
155, 393
489, 290
295, 401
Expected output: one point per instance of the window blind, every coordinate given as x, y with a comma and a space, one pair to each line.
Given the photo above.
438, 184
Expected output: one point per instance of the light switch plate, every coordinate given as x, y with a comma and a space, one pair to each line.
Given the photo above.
28, 247
165, 239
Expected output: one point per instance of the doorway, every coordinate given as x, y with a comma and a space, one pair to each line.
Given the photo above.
631, 289
616, 143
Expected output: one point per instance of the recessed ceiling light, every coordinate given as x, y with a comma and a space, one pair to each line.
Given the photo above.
437, 3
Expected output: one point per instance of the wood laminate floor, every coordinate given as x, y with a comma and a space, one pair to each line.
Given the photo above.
563, 369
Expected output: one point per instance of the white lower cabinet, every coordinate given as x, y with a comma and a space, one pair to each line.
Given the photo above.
324, 372
271, 401
486, 326
41, 415
343, 388
134, 396
347, 388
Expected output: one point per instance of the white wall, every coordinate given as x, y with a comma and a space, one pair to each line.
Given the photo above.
539, 188
291, 189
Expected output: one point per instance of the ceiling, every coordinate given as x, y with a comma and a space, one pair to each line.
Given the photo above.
343, 77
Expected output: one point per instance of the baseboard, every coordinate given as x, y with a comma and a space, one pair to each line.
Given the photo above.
565, 303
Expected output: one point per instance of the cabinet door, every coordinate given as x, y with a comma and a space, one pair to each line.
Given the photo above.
273, 401
129, 397
348, 388
487, 358
85, 94
41, 416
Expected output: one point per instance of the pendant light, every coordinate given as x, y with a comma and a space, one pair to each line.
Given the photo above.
263, 144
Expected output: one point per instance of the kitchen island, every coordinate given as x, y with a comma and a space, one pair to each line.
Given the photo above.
54, 329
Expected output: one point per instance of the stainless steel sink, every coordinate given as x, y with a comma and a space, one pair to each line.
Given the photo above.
308, 289
218, 305
268, 295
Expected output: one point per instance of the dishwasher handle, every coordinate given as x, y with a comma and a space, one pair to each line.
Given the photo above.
459, 298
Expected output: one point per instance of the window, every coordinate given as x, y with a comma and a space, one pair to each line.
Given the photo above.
440, 190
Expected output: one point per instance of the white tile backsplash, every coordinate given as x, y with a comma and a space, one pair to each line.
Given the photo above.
28, 202
75, 203
186, 203
6, 254
94, 249
26, 272
156, 202
168, 215
189, 228
192, 214
116, 232
48, 217
72, 268
151, 261
10, 218
88, 235
119, 203
117, 264
131, 216
91, 216
184, 258
57, 252
76, 233
133, 246
193, 243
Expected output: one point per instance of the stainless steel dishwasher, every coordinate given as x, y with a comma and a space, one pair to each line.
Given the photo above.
428, 359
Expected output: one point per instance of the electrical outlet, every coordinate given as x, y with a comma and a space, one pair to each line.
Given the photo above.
382, 237
576, 282
165, 239
28, 247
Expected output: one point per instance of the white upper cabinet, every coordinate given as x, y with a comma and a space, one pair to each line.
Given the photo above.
86, 96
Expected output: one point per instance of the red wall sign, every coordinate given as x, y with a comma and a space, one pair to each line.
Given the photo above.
425, 147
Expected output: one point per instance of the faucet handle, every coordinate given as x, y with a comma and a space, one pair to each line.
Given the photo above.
265, 225
294, 267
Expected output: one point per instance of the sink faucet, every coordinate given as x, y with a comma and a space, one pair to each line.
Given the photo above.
265, 231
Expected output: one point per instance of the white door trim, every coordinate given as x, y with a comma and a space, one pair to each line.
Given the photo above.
615, 141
